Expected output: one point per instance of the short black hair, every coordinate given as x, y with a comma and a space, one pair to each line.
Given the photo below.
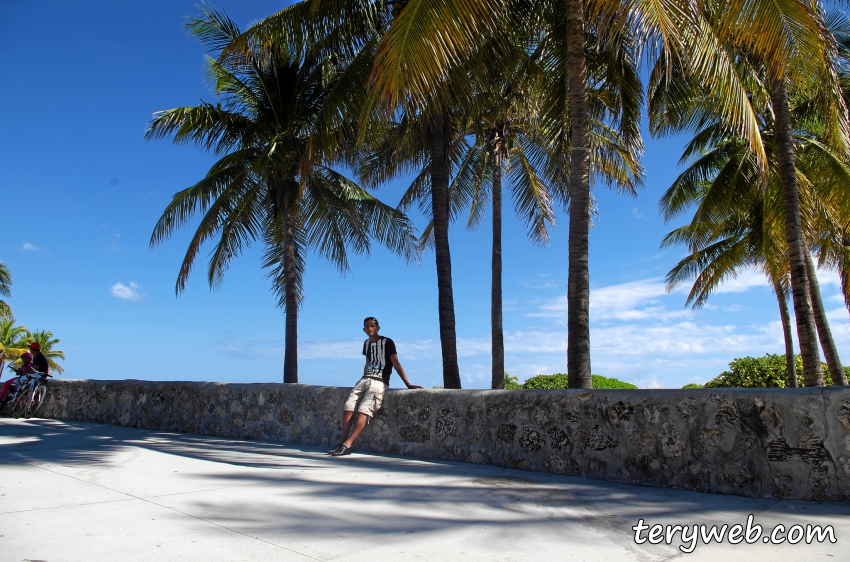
378, 324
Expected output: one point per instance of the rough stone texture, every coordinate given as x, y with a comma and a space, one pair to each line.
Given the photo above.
783, 443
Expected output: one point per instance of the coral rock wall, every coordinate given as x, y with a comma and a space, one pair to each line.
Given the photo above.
782, 443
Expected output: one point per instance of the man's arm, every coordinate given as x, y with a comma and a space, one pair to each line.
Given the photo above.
400, 371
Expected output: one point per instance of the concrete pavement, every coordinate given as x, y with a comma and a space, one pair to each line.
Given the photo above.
73, 491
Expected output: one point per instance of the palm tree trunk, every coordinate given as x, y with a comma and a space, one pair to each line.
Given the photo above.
844, 269
496, 334
830, 351
806, 334
438, 139
578, 278
786, 331
290, 356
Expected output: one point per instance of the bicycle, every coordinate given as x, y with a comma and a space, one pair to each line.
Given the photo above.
36, 392
28, 395
17, 398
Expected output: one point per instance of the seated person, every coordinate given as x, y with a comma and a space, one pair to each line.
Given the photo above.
39, 361
26, 368
368, 394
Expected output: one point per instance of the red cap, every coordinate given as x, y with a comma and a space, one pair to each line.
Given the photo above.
36, 346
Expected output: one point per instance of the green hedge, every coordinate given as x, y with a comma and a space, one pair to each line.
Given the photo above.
559, 380
762, 372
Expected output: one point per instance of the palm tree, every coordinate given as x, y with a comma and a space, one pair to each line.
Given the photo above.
278, 134
48, 342
6, 291
12, 341
739, 223
834, 250
765, 47
423, 41
448, 31
504, 119
504, 146
354, 29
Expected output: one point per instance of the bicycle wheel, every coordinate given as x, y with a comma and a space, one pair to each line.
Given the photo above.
35, 401
19, 406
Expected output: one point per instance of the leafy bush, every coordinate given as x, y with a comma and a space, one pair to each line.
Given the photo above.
559, 380
693, 385
761, 372
604, 382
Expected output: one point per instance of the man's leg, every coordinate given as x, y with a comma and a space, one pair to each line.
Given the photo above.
354, 398
358, 427
346, 425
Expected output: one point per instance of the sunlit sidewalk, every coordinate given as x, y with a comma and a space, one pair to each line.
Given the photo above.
80, 492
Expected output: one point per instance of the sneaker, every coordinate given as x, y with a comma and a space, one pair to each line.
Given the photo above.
341, 450
336, 448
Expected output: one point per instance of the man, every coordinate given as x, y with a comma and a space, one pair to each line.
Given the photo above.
368, 394
39, 361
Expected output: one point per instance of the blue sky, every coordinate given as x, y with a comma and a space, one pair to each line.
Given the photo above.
83, 191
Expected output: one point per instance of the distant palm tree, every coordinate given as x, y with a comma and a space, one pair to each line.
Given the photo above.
278, 137
738, 222
5, 290
509, 147
12, 341
772, 61
47, 341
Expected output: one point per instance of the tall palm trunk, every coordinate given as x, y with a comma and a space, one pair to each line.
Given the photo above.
806, 334
578, 279
438, 140
830, 351
496, 333
290, 357
786, 332
844, 268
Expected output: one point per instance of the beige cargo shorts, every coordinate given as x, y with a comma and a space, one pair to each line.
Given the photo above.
366, 397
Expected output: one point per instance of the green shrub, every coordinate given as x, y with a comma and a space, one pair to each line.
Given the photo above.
693, 385
604, 382
559, 380
761, 372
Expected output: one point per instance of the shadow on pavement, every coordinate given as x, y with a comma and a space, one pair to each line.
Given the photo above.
401, 494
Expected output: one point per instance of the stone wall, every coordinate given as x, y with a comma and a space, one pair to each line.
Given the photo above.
754, 442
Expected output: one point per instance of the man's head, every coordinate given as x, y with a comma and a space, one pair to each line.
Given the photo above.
371, 326
35, 346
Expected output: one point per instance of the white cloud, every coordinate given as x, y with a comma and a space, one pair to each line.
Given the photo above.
636, 212
640, 300
642, 334
684, 338
641, 340
29, 247
132, 291
627, 301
